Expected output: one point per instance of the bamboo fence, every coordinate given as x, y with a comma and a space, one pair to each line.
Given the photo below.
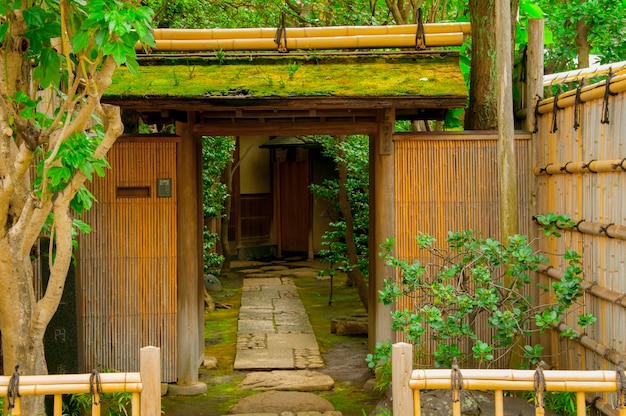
144, 386
407, 384
448, 185
580, 169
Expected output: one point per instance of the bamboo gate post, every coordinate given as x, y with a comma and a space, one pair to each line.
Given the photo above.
150, 370
401, 368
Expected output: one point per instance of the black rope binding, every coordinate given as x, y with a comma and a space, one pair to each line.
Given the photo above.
620, 165
605, 102
536, 126
13, 390
420, 36
577, 226
605, 229
564, 168
456, 380
588, 166
577, 102
95, 387
620, 377
555, 107
545, 170
281, 36
540, 385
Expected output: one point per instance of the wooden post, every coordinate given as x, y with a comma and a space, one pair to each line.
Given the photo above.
401, 369
150, 370
534, 70
506, 130
382, 223
188, 262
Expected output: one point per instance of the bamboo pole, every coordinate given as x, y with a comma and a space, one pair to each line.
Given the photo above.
511, 375
318, 43
602, 350
305, 32
573, 76
495, 384
58, 404
499, 402
581, 405
401, 366
588, 93
591, 288
593, 166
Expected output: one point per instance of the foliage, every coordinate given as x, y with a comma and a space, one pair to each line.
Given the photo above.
477, 280
57, 60
604, 20
356, 155
112, 404
216, 154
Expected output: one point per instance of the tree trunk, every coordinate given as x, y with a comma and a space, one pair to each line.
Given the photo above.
583, 48
228, 178
482, 111
354, 275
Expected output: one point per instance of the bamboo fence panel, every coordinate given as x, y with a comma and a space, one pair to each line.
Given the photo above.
126, 268
595, 195
450, 184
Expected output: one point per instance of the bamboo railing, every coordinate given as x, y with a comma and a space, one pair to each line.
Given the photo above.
311, 38
144, 386
407, 384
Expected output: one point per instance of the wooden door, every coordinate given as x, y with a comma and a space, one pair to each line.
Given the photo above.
294, 215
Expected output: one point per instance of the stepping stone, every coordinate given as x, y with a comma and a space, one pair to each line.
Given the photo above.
263, 275
274, 268
282, 401
255, 326
264, 359
295, 380
294, 341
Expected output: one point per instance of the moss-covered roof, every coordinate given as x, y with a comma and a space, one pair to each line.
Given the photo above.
299, 76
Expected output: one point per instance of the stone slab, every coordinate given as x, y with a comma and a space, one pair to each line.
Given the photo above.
192, 390
282, 401
256, 303
291, 341
288, 305
252, 281
294, 329
260, 314
298, 318
255, 326
264, 359
289, 380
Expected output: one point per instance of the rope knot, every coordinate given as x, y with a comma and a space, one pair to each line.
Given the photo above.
540, 385
13, 390
456, 379
95, 387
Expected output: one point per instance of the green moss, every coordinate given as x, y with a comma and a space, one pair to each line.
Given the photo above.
293, 77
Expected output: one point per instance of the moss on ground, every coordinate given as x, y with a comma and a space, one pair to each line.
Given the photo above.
422, 75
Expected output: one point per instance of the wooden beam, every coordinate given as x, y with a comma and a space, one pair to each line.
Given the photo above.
285, 128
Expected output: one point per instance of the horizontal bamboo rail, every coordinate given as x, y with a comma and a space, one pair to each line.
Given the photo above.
593, 166
587, 93
576, 75
309, 43
487, 379
308, 32
144, 386
591, 288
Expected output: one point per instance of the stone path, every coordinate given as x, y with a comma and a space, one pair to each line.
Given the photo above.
274, 331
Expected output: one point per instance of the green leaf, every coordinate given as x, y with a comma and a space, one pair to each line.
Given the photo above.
4, 27
49, 69
81, 226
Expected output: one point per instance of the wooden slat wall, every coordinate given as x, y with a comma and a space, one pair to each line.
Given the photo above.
127, 266
448, 182
594, 197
